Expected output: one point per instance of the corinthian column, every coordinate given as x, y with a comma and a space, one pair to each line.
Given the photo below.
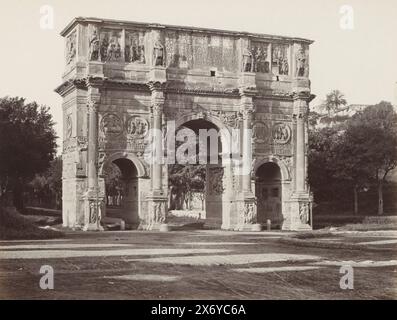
157, 166
300, 114
157, 197
299, 215
93, 200
247, 112
247, 219
92, 108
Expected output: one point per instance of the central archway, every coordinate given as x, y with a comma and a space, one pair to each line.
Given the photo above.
205, 190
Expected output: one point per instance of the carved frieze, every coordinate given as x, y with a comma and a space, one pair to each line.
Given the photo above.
74, 143
304, 212
247, 60
281, 133
95, 210
249, 216
69, 126
137, 145
110, 46
135, 47
230, 119
259, 51
280, 59
111, 125
302, 61
171, 49
157, 212
94, 45
137, 127
260, 132
158, 54
71, 47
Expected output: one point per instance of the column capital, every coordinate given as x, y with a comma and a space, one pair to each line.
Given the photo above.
156, 85
300, 108
93, 98
157, 102
247, 107
93, 104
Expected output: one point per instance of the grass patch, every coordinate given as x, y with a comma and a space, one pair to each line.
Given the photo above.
313, 235
368, 227
14, 226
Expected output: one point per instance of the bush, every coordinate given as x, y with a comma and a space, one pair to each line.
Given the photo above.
14, 226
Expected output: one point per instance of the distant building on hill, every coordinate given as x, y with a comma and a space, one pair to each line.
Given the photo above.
337, 117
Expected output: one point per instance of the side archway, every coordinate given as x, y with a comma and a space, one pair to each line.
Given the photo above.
285, 172
272, 180
140, 167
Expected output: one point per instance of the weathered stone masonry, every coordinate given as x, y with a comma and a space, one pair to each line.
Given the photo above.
123, 78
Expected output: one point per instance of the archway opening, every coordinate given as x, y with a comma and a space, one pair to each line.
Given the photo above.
268, 191
196, 187
121, 187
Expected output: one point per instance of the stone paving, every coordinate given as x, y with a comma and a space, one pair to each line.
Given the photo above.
193, 265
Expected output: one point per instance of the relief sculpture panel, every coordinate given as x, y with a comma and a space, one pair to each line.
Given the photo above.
281, 134
260, 59
135, 47
110, 46
280, 59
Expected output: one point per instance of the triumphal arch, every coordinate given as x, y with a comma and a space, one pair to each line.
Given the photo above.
124, 80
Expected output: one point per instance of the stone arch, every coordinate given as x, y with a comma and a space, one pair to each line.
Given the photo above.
217, 206
223, 129
125, 155
285, 172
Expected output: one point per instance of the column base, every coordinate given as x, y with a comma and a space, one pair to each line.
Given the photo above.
162, 227
93, 227
254, 227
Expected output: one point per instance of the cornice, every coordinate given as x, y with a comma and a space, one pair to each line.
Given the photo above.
153, 26
169, 87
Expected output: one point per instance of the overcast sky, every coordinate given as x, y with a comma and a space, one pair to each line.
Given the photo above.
361, 62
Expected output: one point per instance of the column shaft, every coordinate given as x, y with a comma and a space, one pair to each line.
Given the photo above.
247, 152
158, 151
92, 146
300, 154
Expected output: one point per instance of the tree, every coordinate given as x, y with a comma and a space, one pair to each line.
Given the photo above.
27, 144
349, 165
333, 101
47, 187
372, 135
320, 172
183, 181
313, 118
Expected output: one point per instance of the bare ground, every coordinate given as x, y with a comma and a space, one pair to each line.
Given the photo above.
194, 265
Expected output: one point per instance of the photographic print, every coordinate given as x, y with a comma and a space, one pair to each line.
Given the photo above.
198, 155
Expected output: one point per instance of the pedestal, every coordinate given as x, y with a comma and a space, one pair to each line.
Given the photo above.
158, 74
247, 80
247, 214
300, 217
93, 208
157, 213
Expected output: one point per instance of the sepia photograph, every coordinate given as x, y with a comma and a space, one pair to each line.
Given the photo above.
195, 157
